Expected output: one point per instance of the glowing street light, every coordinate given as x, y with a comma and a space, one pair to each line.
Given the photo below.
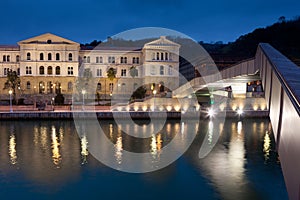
154, 93
10, 100
211, 113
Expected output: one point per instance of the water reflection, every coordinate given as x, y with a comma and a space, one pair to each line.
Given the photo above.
56, 156
12, 149
50, 155
267, 146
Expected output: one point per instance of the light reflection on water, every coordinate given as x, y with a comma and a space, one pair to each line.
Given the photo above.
245, 148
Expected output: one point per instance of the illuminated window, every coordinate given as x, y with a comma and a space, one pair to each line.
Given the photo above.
57, 70
49, 70
98, 86
28, 85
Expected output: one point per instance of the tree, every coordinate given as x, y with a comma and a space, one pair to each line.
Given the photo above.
111, 73
12, 82
133, 71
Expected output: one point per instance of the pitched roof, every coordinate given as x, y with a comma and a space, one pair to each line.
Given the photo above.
47, 38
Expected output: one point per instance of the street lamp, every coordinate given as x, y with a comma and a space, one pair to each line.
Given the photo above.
10, 100
83, 93
154, 93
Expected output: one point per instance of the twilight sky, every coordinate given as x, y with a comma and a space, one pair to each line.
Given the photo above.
86, 20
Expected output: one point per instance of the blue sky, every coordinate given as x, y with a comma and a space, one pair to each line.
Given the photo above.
86, 20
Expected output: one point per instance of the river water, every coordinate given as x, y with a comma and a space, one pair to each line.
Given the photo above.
49, 160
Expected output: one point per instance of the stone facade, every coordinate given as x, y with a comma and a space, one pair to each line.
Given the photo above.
48, 64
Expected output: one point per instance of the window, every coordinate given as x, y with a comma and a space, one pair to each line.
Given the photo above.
41, 56
18, 71
161, 70
99, 72
170, 70
153, 56
123, 87
49, 70
152, 70
88, 59
17, 58
42, 70
166, 56
49, 56
100, 59
157, 56
70, 86
28, 70
98, 86
57, 70
70, 57
41, 87
28, 85
135, 60
70, 71
84, 59
4, 58
8, 58
161, 56
123, 72
57, 56
97, 59
111, 59
123, 59
6, 70
111, 87
28, 56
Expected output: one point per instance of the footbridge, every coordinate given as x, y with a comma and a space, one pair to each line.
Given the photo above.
281, 83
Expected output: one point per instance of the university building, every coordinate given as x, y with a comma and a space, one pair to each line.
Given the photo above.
48, 65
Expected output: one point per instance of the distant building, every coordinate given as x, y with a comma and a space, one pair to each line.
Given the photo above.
48, 64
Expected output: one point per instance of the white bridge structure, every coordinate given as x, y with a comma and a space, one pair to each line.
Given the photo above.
281, 82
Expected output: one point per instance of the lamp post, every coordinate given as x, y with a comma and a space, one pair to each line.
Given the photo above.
10, 100
154, 93
83, 93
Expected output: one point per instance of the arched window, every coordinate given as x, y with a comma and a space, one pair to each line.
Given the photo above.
70, 57
8, 58
152, 70
161, 70
98, 86
49, 56
57, 56
57, 70
41, 87
170, 70
166, 56
49, 70
97, 59
137, 60
161, 56
70, 86
57, 88
101, 59
157, 56
18, 71
41, 56
42, 70
17, 58
4, 58
28, 56
28, 86
161, 87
